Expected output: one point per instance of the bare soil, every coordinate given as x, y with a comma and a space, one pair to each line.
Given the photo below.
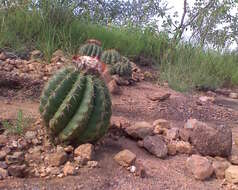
132, 105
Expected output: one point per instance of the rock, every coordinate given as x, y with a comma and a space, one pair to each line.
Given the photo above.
33, 157
140, 143
158, 130
3, 154
192, 123
3, 140
185, 134
3, 173
156, 146
3, 57
140, 169
57, 158
80, 161
16, 158
69, 169
125, 158
200, 167
52, 170
219, 168
36, 54
30, 135
17, 170
206, 99
140, 130
69, 149
233, 158
85, 151
172, 149
3, 165
183, 147
233, 95
212, 141
113, 87
231, 174
172, 134
132, 169
162, 123
92, 164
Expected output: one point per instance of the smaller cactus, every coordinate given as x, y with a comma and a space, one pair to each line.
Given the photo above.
123, 68
92, 48
110, 57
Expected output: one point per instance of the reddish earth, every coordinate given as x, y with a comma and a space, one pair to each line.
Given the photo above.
133, 104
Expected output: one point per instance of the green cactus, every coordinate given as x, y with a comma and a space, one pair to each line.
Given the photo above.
110, 57
123, 68
91, 49
75, 107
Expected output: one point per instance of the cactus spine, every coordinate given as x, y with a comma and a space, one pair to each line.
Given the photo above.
110, 57
123, 68
75, 107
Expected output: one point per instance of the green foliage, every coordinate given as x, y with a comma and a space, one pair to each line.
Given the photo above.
91, 49
18, 126
110, 57
123, 68
76, 107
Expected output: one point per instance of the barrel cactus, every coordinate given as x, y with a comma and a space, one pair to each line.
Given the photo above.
122, 68
75, 107
110, 57
92, 48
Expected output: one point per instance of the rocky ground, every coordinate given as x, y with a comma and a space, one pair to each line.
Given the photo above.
159, 138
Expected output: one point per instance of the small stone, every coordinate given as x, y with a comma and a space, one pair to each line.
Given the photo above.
36, 54
162, 123
206, 99
132, 169
85, 151
36, 141
2, 155
233, 95
140, 143
200, 167
113, 87
191, 123
219, 168
3, 56
58, 53
158, 130
231, 174
52, 170
172, 134
156, 146
3, 174
80, 161
125, 158
233, 158
172, 148
185, 134
57, 159
17, 170
69, 169
183, 147
17, 157
33, 157
140, 169
140, 130
3, 165
30, 135
92, 164
3, 140
69, 149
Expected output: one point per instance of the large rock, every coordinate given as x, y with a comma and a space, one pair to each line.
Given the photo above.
212, 141
156, 145
17, 170
219, 168
85, 151
140, 130
200, 167
231, 174
125, 158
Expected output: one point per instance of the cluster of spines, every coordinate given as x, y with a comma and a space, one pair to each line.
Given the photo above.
110, 57
76, 108
123, 68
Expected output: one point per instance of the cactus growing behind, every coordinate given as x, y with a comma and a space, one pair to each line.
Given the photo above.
110, 57
123, 68
92, 48
75, 107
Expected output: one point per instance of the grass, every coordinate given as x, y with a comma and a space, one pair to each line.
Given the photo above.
183, 66
18, 126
